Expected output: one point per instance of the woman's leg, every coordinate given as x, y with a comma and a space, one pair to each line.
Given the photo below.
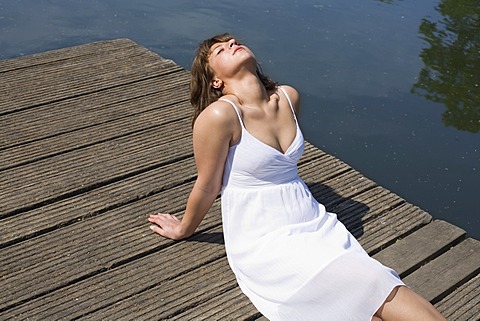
405, 304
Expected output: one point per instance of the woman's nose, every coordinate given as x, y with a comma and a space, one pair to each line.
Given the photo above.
231, 42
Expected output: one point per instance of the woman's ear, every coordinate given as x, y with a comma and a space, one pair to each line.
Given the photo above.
217, 83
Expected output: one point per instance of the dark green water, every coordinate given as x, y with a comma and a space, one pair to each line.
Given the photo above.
390, 87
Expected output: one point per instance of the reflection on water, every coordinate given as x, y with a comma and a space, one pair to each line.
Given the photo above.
451, 74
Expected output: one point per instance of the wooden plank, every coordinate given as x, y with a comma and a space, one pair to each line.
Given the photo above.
321, 169
81, 170
73, 79
183, 293
366, 206
420, 247
39, 251
309, 154
89, 136
85, 112
358, 200
232, 305
340, 187
41, 265
77, 65
441, 276
392, 225
97, 48
165, 261
464, 303
95, 202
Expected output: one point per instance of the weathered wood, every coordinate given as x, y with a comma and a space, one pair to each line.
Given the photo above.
95, 202
115, 238
441, 276
79, 170
102, 290
175, 295
70, 78
419, 247
99, 108
47, 136
101, 139
394, 224
97, 48
74, 87
82, 138
360, 206
464, 303
232, 305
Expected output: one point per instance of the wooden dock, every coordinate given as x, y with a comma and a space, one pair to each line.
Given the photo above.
95, 137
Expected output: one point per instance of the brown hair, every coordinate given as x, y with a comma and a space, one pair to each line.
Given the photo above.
202, 92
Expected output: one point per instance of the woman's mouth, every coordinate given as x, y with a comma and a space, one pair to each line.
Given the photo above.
237, 49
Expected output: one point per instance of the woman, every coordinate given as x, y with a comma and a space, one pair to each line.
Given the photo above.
294, 260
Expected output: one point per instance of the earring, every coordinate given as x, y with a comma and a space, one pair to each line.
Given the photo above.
217, 83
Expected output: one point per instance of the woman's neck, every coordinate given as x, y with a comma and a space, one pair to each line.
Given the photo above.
248, 89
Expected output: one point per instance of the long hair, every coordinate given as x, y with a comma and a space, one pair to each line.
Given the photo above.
202, 92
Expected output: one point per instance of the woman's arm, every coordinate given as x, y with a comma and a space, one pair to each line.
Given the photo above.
212, 134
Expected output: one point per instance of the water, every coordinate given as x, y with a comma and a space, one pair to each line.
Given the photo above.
391, 87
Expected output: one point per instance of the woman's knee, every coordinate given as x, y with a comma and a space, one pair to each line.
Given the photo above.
389, 298
404, 304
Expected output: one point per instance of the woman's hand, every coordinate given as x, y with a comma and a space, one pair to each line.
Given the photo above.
166, 225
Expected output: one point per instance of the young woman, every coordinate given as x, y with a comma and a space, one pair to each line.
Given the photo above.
294, 260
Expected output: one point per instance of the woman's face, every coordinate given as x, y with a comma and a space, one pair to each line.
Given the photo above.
226, 58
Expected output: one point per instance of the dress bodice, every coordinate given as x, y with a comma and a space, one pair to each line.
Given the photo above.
252, 163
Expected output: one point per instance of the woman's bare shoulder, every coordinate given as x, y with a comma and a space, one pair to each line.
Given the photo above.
219, 114
293, 94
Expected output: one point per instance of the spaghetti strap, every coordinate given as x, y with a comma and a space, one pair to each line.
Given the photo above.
289, 102
236, 110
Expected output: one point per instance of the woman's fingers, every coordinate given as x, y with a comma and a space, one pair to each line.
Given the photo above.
165, 225
157, 230
161, 219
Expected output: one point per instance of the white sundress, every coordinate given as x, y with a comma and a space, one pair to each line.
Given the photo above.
291, 258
